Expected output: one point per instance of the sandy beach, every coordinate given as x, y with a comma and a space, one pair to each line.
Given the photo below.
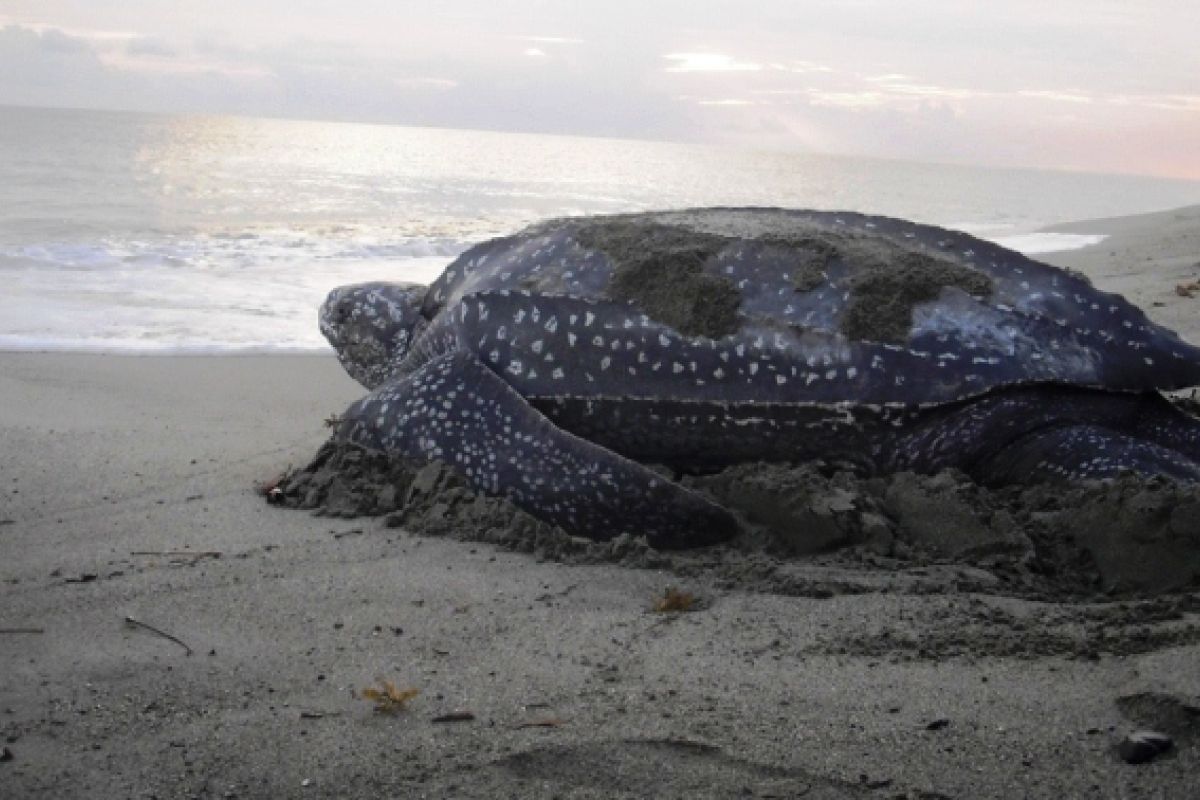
1144, 258
166, 633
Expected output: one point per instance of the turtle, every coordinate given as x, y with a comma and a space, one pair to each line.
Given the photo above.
581, 366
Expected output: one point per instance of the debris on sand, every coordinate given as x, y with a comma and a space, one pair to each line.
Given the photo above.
269, 487
549, 722
674, 600
136, 623
1142, 746
387, 698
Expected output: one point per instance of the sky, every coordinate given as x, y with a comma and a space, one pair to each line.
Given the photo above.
1092, 85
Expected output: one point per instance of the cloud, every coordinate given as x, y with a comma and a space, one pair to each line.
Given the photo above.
1032, 84
801, 67
1056, 96
435, 84
708, 62
50, 64
781, 92
847, 99
898, 86
932, 91
550, 39
150, 46
588, 93
56, 41
1188, 103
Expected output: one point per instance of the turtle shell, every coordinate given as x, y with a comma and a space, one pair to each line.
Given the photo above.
846, 308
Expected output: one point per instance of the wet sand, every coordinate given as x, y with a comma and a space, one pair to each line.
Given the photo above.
126, 492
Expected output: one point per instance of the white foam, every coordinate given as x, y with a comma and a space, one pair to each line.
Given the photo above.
249, 293
20, 344
984, 230
1033, 243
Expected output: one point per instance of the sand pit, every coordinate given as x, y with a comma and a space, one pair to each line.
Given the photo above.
1130, 538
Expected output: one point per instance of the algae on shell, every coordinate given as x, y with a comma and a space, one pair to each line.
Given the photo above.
659, 269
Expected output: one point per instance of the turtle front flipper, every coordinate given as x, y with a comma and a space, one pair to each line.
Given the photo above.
455, 410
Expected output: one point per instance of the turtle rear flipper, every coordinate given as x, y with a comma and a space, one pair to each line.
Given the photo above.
1085, 452
455, 410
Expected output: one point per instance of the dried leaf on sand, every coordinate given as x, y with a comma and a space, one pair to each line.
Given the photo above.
674, 600
387, 698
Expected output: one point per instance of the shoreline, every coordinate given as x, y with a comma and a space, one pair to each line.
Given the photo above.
126, 491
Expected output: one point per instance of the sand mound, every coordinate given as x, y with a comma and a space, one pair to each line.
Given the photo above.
808, 530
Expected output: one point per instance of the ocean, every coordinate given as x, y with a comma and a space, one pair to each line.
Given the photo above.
149, 233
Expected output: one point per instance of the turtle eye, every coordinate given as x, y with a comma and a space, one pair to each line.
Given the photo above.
342, 312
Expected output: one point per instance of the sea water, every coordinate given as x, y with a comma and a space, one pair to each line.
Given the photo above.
138, 232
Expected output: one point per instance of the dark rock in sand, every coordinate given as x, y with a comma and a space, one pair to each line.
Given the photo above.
1140, 747
1162, 712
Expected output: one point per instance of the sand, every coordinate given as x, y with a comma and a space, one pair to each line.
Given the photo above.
1144, 258
126, 492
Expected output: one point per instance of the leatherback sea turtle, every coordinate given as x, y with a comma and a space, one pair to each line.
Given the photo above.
551, 366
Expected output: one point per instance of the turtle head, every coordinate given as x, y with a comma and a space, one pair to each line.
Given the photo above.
371, 326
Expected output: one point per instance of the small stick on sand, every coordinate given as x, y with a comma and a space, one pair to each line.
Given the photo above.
22, 630
194, 554
139, 624
552, 722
